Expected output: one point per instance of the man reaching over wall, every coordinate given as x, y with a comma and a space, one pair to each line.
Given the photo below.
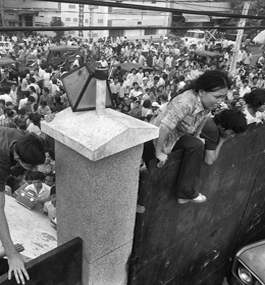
16, 146
220, 128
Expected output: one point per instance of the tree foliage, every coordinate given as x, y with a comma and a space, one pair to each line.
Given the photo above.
57, 22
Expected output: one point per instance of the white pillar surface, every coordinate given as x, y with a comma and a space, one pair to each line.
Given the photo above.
97, 177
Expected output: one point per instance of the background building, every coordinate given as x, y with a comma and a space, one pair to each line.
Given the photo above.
39, 13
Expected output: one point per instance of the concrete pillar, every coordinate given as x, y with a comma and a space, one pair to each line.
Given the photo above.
97, 172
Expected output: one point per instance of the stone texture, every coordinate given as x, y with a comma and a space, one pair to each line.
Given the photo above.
96, 137
110, 269
97, 200
97, 178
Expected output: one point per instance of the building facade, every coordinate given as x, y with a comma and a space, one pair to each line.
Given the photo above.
40, 13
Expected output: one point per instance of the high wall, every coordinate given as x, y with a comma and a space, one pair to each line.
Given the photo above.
193, 244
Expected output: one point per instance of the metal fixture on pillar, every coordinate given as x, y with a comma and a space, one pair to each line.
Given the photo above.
81, 87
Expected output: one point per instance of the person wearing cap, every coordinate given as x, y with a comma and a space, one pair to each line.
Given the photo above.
76, 62
144, 85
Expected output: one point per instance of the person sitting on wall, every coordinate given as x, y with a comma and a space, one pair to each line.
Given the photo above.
218, 129
186, 113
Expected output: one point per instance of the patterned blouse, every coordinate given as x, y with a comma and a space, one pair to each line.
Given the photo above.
183, 115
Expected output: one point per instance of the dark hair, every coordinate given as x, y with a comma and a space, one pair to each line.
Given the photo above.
43, 103
51, 174
10, 113
163, 96
17, 171
22, 111
30, 149
51, 152
36, 120
37, 175
147, 104
32, 88
32, 79
57, 99
231, 119
209, 81
2, 101
31, 99
46, 89
255, 98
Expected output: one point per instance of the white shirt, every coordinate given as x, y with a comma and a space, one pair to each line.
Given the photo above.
6, 97
257, 119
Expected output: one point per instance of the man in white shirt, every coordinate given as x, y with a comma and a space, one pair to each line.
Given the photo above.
6, 97
244, 89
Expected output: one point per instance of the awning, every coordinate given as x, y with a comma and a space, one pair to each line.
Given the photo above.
217, 18
196, 18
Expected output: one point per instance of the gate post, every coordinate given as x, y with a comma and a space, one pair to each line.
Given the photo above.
97, 176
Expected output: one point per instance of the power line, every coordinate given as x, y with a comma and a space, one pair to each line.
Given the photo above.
102, 28
156, 8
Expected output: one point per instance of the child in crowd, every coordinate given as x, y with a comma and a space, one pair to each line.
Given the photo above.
41, 190
21, 119
43, 109
34, 126
49, 164
50, 206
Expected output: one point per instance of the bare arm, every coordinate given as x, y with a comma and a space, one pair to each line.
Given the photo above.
16, 264
210, 156
163, 133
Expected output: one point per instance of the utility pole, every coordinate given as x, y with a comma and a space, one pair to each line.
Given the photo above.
91, 8
242, 23
2, 12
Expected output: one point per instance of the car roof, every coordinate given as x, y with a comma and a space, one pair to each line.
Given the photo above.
207, 53
64, 48
6, 61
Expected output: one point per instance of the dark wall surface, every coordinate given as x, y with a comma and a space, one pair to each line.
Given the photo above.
61, 266
192, 244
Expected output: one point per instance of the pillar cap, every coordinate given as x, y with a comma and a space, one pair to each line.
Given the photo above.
97, 137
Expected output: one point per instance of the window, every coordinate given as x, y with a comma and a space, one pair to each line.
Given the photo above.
116, 33
150, 32
71, 6
95, 35
95, 7
86, 21
100, 21
67, 19
75, 20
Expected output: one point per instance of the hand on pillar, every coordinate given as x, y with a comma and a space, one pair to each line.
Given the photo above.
162, 157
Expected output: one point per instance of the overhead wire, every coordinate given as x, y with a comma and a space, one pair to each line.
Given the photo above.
157, 8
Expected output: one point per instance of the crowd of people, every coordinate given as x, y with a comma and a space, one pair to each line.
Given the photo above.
197, 106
